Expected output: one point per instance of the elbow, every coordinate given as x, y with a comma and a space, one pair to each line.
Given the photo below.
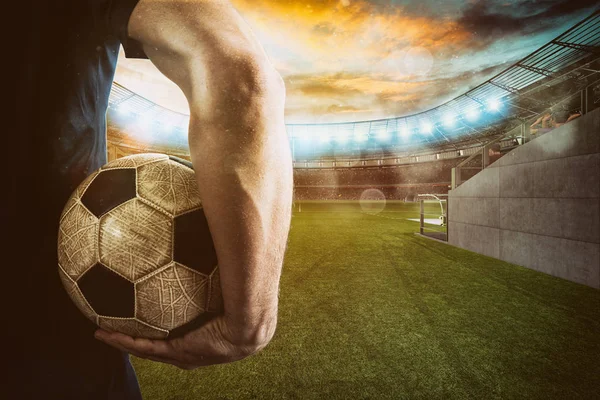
250, 340
243, 82
254, 76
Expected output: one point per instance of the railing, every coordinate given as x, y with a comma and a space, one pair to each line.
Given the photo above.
386, 161
518, 136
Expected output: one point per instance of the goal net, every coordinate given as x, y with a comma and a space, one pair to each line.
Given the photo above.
433, 217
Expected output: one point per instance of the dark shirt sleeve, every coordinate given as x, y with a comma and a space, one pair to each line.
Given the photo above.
119, 12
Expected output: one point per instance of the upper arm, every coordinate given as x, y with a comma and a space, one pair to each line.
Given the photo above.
188, 39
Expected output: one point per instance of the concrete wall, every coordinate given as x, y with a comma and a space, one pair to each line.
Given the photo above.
538, 206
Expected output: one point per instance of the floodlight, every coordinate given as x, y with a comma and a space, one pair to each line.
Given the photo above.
427, 127
449, 120
305, 137
341, 138
383, 135
122, 111
472, 114
405, 132
361, 137
144, 123
493, 105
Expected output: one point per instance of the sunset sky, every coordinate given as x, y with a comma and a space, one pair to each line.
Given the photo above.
349, 60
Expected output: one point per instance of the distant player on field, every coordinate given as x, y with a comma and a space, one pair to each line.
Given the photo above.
238, 147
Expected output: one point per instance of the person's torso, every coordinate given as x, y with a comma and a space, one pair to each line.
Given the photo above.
63, 71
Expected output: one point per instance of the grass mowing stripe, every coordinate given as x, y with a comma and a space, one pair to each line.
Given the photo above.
370, 310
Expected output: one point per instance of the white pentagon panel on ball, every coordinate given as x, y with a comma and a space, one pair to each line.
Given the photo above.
135, 160
77, 238
77, 193
174, 296
76, 295
131, 327
135, 239
74, 199
169, 185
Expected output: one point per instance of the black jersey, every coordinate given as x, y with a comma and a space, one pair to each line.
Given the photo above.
63, 72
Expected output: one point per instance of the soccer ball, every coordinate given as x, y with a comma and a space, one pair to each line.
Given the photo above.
135, 251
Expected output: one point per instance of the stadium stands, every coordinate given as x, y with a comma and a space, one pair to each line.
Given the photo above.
411, 161
396, 183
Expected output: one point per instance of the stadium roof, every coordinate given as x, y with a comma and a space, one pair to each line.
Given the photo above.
489, 102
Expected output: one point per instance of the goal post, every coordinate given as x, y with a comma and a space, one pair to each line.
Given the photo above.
433, 216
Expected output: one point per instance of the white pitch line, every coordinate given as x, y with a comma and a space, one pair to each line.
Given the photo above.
427, 221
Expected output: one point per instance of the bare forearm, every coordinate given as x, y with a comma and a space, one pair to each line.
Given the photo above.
244, 171
242, 163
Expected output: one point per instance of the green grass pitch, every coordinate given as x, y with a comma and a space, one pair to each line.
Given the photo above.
369, 310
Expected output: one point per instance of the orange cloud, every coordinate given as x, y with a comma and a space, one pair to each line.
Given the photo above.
341, 59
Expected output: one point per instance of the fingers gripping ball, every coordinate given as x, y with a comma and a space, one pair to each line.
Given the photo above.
134, 248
